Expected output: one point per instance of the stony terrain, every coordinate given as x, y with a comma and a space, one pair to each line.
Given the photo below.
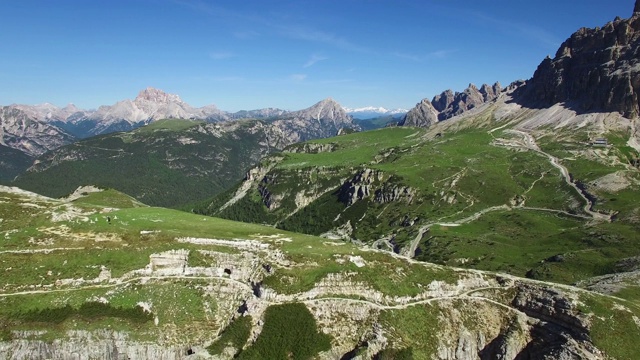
192, 287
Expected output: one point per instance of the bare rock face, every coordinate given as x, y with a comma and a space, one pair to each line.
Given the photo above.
561, 331
594, 70
424, 114
374, 183
33, 137
449, 104
323, 119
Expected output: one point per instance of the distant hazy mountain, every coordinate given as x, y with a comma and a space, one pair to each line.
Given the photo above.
173, 162
370, 112
35, 129
321, 120
26, 130
150, 105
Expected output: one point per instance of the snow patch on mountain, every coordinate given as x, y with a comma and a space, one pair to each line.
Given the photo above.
369, 112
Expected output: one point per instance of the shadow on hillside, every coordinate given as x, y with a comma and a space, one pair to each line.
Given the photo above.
528, 96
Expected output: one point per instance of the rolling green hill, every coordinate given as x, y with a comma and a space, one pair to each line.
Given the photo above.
479, 192
169, 162
109, 277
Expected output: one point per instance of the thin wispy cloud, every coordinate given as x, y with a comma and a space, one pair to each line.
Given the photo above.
246, 34
532, 32
297, 77
438, 54
221, 55
313, 60
285, 29
406, 56
318, 36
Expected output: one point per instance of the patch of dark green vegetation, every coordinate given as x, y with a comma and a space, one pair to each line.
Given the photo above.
169, 163
5, 333
12, 163
316, 218
394, 354
234, 335
90, 311
289, 332
247, 209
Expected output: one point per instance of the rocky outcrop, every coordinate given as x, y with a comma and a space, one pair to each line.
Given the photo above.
369, 182
458, 103
423, 114
310, 148
561, 331
324, 119
81, 345
595, 70
449, 104
360, 186
394, 192
31, 136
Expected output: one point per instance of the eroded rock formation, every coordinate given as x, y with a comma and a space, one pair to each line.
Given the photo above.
593, 70
449, 104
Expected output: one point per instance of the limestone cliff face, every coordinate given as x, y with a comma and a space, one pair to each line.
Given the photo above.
593, 70
100, 344
368, 182
324, 119
449, 104
31, 136
423, 114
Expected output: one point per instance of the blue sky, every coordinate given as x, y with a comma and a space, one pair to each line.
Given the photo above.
281, 53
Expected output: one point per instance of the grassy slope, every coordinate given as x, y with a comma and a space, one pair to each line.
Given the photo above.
185, 312
151, 163
462, 165
130, 249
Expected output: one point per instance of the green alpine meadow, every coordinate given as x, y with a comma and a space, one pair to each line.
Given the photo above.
493, 222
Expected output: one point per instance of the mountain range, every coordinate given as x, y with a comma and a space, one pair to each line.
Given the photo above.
34, 130
549, 165
173, 162
492, 223
24, 127
370, 112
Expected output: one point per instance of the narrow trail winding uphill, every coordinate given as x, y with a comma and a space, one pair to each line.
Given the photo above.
530, 144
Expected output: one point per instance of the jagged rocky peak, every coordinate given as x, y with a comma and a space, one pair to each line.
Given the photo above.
327, 109
449, 104
157, 96
490, 92
593, 70
21, 131
636, 8
424, 114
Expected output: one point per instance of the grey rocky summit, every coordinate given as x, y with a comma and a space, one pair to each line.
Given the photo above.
449, 104
594, 70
